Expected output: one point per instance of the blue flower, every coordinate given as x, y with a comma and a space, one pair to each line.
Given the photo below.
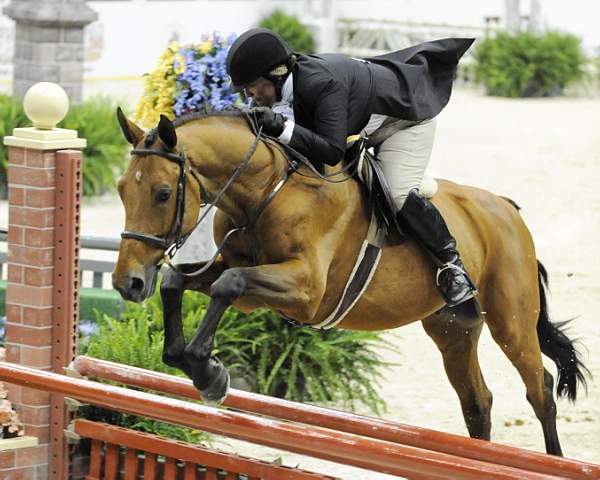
205, 85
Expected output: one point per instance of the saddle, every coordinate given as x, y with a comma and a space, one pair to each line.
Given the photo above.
376, 192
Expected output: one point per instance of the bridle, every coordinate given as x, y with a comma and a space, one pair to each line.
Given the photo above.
174, 239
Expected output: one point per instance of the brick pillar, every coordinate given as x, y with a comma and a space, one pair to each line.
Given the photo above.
41, 302
49, 43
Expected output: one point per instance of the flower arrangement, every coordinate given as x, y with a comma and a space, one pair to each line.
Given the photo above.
10, 425
188, 78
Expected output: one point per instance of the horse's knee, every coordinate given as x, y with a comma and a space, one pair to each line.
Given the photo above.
230, 286
171, 282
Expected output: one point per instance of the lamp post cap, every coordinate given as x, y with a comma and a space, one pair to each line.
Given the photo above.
46, 104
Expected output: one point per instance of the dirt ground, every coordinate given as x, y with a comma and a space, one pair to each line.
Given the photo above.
545, 154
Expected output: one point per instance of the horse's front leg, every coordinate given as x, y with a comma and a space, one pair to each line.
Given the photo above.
283, 286
171, 292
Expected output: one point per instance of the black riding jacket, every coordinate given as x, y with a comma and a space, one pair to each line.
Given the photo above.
335, 95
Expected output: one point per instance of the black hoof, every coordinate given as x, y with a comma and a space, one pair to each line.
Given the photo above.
216, 391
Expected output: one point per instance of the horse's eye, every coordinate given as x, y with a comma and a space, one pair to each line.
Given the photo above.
163, 195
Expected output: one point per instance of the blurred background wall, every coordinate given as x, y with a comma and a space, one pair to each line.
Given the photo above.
129, 35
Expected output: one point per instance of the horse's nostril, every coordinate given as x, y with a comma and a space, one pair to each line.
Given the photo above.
137, 284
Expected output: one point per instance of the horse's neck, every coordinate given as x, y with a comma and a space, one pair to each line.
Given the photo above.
216, 147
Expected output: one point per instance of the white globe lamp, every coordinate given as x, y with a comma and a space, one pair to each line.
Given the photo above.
46, 104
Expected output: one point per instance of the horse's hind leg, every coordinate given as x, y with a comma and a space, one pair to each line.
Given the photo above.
458, 344
513, 327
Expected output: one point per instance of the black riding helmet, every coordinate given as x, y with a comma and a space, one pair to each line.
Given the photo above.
253, 54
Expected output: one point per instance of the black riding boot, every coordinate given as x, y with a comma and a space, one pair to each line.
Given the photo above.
425, 223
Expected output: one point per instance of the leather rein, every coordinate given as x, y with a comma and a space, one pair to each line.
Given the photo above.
174, 239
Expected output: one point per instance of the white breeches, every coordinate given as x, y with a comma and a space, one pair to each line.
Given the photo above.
404, 157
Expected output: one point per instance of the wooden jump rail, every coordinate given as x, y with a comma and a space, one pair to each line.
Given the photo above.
141, 452
387, 431
341, 447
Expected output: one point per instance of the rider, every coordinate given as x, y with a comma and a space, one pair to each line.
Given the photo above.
314, 102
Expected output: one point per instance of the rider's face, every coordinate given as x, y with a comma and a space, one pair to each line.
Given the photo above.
262, 91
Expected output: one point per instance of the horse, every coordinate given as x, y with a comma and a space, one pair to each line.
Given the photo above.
289, 252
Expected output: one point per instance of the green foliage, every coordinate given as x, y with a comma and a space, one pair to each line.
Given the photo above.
131, 341
106, 151
528, 65
95, 120
142, 424
319, 366
11, 116
272, 356
291, 30
135, 340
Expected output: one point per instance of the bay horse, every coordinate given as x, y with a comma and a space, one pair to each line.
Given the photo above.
293, 254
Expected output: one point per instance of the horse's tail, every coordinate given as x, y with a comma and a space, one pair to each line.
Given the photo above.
556, 345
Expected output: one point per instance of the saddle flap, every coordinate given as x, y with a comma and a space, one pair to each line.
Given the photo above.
377, 193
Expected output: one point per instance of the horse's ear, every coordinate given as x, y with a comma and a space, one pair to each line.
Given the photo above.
166, 132
133, 134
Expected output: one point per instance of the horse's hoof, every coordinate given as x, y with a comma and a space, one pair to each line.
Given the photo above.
216, 392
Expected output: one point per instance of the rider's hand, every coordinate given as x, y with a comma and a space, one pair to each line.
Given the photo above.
272, 123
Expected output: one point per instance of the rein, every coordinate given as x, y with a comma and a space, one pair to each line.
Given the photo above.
174, 240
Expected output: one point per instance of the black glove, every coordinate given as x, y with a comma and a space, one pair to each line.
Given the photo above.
272, 123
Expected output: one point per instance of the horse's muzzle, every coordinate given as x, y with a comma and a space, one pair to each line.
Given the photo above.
136, 287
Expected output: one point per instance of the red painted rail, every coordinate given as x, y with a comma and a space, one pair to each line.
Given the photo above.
356, 424
372, 454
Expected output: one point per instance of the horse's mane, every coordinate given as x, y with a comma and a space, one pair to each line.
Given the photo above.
190, 117
199, 115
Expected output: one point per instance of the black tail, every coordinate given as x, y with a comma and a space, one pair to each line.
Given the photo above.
557, 346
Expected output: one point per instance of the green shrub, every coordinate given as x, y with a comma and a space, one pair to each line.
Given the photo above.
106, 152
528, 65
291, 30
95, 120
11, 116
273, 357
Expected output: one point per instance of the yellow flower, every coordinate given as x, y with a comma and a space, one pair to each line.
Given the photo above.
205, 47
159, 88
180, 59
174, 46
